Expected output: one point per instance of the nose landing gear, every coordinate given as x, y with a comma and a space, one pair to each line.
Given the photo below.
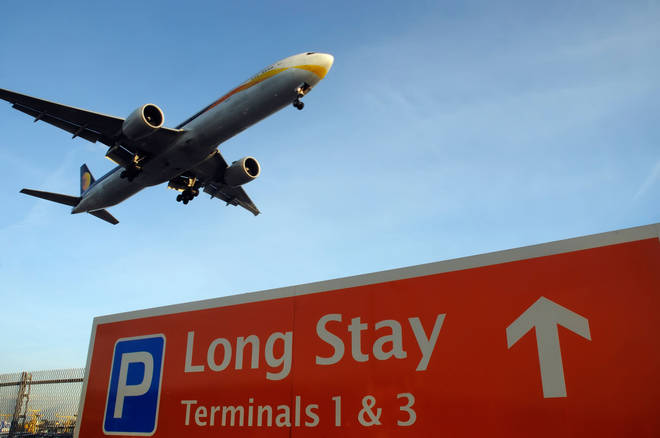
300, 93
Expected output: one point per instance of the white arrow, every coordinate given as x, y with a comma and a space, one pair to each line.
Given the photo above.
545, 316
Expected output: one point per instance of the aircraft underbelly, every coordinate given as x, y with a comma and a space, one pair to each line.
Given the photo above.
230, 117
249, 106
109, 192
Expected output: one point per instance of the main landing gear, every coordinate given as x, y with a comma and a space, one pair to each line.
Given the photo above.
188, 186
133, 170
187, 195
130, 173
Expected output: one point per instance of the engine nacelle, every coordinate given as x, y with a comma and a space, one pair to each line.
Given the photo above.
242, 171
142, 122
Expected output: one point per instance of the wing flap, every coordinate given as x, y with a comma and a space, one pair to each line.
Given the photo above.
231, 195
211, 172
89, 125
93, 125
76, 130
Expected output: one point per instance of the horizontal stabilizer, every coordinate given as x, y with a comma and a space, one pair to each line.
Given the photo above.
103, 214
54, 197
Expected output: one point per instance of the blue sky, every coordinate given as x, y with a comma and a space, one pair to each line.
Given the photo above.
444, 129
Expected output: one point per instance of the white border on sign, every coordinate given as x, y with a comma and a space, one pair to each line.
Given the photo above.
470, 262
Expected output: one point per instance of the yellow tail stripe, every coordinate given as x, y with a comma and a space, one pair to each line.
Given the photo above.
86, 181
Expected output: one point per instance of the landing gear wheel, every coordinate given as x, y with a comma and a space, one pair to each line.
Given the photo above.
298, 104
187, 195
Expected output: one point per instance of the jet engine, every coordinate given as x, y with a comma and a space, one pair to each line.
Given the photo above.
242, 171
142, 122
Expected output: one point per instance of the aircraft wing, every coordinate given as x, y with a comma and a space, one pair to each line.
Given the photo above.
210, 173
86, 124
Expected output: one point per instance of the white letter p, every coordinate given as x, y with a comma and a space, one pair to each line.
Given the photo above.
125, 390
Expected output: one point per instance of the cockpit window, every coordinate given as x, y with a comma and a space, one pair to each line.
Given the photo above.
310, 53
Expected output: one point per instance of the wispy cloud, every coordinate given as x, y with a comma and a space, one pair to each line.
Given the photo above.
650, 180
41, 211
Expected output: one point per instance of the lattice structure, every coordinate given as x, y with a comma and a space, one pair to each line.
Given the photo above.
39, 403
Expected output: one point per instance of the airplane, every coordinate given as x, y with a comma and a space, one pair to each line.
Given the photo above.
186, 156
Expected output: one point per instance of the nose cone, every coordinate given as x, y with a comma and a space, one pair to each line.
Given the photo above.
326, 61
321, 62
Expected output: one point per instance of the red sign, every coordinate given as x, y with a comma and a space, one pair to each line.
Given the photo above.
552, 340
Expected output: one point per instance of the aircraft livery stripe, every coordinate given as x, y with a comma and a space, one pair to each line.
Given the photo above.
244, 86
316, 69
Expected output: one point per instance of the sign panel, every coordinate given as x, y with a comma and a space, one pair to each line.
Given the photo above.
134, 389
557, 339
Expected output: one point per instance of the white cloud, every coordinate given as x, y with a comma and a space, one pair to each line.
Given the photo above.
650, 180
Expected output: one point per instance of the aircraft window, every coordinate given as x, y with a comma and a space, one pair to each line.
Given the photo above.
310, 53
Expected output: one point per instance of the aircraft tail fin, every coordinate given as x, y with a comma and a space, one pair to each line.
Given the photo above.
104, 215
86, 179
54, 197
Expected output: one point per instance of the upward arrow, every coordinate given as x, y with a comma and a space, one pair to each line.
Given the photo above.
545, 316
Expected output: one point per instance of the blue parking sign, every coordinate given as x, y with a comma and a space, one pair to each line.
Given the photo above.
135, 383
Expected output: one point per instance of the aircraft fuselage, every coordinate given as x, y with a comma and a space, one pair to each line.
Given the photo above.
272, 89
